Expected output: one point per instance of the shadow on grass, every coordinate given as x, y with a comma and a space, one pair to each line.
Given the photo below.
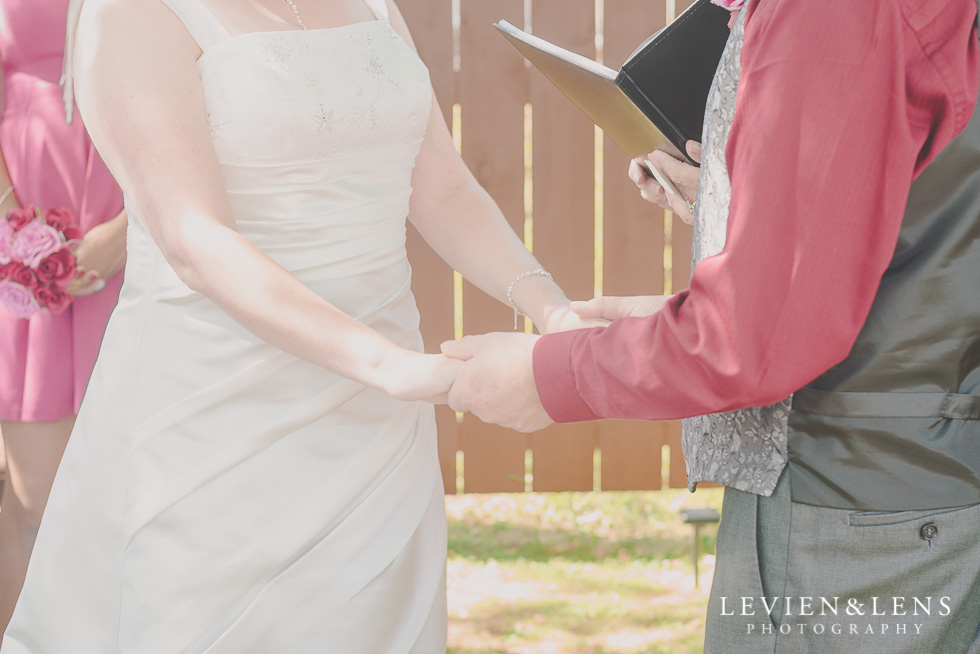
504, 541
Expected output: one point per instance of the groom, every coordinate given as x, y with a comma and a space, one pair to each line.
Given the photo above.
839, 328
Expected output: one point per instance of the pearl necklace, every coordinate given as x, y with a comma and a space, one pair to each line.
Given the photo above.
299, 19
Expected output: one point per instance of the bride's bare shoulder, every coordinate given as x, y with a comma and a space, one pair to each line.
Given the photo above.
124, 47
120, 13
112, 24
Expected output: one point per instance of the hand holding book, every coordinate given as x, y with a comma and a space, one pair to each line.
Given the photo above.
680, 175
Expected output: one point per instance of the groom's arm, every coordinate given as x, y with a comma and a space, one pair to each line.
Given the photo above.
840, 106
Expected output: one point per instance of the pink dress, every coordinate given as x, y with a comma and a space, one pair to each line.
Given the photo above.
45, 362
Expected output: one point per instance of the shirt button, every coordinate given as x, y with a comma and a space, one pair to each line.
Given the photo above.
929, 531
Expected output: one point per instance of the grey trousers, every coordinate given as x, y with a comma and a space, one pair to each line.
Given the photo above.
793, 578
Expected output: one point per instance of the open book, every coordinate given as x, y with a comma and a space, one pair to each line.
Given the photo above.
657, 99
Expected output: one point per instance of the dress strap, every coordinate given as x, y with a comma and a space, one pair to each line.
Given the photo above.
379, 8
206, 29
67, 80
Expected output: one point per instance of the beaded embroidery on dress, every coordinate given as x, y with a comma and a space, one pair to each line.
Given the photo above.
743, 449
354, 91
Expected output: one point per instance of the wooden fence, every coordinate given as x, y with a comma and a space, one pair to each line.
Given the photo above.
563, 185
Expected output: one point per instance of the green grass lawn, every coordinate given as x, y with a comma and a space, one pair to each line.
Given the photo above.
583, 573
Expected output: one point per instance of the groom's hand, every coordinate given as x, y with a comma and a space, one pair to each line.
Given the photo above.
613, 308
496, 382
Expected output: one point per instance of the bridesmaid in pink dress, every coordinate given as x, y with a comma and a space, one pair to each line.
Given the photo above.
45, 362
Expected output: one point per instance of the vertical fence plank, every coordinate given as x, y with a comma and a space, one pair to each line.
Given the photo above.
447, 430
680, 259
680, 242
682, 5
564, 186
492, 93
633, 243
678, 473
633, 228
680, 255
631, 455
431, 23
680, 279
681, 232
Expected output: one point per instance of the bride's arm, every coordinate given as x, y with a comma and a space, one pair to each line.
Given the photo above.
466, 228
138, 89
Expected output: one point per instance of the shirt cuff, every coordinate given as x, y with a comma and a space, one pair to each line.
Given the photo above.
555, 379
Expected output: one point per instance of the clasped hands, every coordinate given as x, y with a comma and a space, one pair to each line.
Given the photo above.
492, 375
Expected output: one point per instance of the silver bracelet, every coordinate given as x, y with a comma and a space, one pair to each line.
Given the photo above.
510, 289
6, 194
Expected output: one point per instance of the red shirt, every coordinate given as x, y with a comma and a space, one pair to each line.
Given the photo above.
840, 105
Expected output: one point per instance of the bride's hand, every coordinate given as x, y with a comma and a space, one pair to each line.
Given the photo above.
412, 376
564, 319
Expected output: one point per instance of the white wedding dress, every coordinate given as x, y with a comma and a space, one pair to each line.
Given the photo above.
219, 495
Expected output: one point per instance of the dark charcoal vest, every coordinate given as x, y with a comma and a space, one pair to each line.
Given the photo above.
896, 425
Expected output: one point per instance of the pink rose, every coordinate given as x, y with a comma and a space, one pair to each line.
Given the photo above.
4, 271
18, 218
22, 275
730, 5
34, 242
19, 300
53, 299
6, 232
59, 218
57, 269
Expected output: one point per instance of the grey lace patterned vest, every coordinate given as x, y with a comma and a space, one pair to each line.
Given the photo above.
743, 449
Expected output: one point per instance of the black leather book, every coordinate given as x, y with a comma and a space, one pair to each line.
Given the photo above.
657, 99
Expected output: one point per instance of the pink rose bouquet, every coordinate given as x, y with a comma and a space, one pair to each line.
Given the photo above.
36, 260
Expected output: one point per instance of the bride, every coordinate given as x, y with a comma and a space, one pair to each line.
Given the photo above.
254, 466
